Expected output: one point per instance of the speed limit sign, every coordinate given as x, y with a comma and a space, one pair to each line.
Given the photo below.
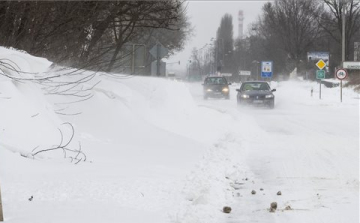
341, 74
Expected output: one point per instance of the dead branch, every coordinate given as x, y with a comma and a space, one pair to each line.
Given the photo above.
76, 155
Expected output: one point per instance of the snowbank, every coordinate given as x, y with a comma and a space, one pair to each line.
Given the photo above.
138, 137
157, 152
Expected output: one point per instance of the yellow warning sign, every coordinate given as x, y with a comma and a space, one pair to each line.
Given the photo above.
321, 64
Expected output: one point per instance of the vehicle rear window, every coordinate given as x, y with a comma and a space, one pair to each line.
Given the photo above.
215, 80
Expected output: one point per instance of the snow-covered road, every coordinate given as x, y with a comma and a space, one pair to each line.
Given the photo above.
306, 148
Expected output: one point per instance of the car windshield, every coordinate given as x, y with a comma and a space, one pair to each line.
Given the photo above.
215, 80
255, 86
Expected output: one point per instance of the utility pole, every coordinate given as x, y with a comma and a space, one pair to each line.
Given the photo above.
133, 59
216, 54
343, 34
158, 59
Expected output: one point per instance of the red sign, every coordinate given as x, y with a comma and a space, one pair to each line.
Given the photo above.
341, 74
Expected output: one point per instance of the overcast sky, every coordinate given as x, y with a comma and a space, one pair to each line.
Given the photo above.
205, 17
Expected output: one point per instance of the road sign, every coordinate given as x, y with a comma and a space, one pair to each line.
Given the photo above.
320, 74
245, 73
266, 69
321, 64
341, 74
226, 74
354, 65
315, 55
162, 51
162, 68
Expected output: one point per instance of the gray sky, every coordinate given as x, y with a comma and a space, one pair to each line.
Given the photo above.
205, 17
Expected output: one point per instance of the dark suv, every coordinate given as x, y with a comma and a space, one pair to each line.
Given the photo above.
216, 86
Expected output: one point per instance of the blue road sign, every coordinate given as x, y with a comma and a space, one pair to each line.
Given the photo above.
266, 68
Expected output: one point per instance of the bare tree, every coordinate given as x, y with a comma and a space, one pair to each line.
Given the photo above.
196, 61
330, 21
85, 33
293, 24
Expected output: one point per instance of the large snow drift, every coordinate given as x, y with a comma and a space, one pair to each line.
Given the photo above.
156, 152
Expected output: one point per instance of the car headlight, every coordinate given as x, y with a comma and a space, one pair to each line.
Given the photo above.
225, 89
269, 96
245, 96
208, 90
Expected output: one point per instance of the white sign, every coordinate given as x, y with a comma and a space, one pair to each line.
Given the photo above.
226, 74
354, 65
318, 56
266, 68
245, 73
341, 74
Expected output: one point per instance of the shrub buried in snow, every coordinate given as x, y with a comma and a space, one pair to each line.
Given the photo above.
273, 207
227, 209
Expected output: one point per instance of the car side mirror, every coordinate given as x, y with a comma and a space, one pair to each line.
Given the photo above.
202, 84
273, 90
238, 90
229, 84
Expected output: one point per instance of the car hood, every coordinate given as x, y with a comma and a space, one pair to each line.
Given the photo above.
256, 93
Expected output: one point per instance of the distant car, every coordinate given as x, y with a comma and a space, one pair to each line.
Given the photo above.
215, 87
256, 93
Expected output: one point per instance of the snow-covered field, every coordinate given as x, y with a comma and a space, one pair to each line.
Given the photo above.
156, 152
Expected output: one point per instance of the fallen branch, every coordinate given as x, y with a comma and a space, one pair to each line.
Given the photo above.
76, 155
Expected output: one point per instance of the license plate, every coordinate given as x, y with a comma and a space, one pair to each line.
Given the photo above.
257, 102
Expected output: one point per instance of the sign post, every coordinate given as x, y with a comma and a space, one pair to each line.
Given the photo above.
320, 74
158, 51
341, 74
1, 209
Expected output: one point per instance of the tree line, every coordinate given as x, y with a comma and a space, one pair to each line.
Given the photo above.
284, 33
92, 34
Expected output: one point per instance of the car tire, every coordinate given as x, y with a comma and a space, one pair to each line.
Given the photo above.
205, 97
227, 97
